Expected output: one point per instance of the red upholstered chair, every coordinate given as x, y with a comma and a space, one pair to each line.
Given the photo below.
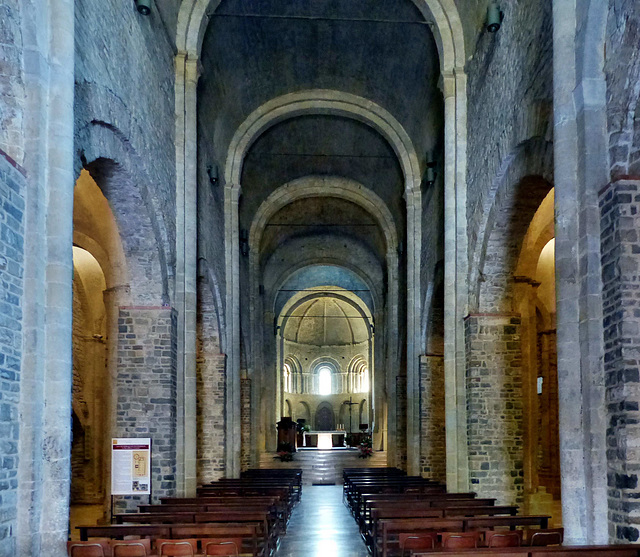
460, 540
177, 548
228, 547
549, 536
88, 549
503, 538
131, 548
417, 540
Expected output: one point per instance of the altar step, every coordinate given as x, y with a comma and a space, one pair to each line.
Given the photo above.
324, 467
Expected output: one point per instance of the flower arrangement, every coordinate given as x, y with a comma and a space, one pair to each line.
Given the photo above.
365, 448
285, 452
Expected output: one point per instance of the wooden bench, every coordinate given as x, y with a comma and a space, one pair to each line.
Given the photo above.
248, 533
390, 528
622, 550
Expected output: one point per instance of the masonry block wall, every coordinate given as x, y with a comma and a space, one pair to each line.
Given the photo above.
619, 205
401, 423
432, 418
494, 407
124, 74
146, 391
509, 99
12, 190
210, 387
245, 423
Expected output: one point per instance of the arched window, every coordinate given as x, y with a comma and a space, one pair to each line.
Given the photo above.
287, 378
364, 380
324, 380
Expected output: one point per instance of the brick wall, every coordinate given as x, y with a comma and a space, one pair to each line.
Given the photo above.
245, 423
210, 386
619, 205
432, 418
494, 406
12, 189
401, 422
146, 391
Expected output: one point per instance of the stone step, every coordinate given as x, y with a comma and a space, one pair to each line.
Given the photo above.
324, 466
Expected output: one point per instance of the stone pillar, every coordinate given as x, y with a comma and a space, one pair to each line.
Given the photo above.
186, 268
146, 391
245, 419
401, 422
494, 403
580, 171
233, 445
455, 276
432, 418
619, 204
210, 387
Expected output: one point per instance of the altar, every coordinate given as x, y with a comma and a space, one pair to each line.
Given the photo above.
325, 440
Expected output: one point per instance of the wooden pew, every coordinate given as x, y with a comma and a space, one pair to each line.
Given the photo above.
622, 550
391, 527
248, 532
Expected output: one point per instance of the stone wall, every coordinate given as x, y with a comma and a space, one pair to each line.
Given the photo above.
12, 189
124, 111
622, 71
401, 424
12, 94
210, 385
146, 391
432, 418
494, 406
620, 204
509, 102
245, 423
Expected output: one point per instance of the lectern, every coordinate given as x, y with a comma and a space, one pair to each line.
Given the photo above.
287, 432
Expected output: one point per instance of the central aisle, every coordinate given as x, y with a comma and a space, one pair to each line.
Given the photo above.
321, 526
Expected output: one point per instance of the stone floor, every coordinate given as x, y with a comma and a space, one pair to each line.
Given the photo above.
321, 526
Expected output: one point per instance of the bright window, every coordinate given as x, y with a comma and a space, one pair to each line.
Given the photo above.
324, 381
364, 381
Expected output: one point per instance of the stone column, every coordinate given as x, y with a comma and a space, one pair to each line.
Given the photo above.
494, 402
245, 418
186, 267
619, 204
45, 397
432, 418
580, 171
146, 391
232, 264
455, 277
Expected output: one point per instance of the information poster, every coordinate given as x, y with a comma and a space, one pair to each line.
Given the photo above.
131, 466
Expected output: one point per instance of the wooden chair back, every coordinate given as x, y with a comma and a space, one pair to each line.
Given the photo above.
131, 548
460, 540
230, 547
548, 536
88, 549
410, 541
177, 548
503, 538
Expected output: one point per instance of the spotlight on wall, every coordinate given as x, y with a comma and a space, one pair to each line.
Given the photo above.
432, 173
212, 172
244, 242
144, 6
494, 17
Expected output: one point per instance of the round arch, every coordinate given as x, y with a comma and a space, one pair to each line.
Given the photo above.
194, 15
323, 186
322, 101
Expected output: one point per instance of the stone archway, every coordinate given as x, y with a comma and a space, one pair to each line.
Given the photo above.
192, 23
